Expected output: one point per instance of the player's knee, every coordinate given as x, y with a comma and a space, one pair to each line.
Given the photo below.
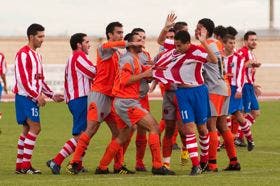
256, 113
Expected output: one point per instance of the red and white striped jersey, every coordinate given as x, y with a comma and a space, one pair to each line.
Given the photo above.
169, 44
249, 71
29, 76
3, 65
79, 72
234, 65
185, 68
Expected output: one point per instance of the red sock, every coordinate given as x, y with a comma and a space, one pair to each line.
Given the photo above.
155, 150
213, 145
141, 143
20, 148
166, 149
81, 147
229, 146
29, 144
204, 148
191, 145
250, 119
109, 154
246, 130
68, 148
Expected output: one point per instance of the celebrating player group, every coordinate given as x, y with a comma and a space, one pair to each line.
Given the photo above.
209, 87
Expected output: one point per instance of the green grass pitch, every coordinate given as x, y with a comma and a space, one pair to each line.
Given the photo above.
259, 167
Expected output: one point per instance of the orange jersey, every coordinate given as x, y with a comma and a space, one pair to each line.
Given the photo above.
129, 65
107, 58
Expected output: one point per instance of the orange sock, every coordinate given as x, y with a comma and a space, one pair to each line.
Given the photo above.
229, 145
155, 150
161, 126
119, 158
141, 143
213, 145
109, 154
166, 147
83, 142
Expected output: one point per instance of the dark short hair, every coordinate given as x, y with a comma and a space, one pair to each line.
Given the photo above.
111, 27
138, 30
231, 30
208, 24
228, 37
183, 36
179, 26
33, 29
249, 33
75, 39
220, 31
129, 37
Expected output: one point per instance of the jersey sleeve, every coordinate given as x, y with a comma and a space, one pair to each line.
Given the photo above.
85, 66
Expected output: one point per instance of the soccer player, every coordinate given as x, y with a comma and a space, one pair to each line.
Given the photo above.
184, 67
219, 101
170, 36
250, 90
129, 110
29, 89
170, 107
100, 96
79, 72
3, 69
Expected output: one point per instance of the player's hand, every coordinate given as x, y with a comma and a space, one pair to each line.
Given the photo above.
256, 64
138, 43
41, 101
58, 98
257, 89
170, 21
148, 73
238, 95
203, 35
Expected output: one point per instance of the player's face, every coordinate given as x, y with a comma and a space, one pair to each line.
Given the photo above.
181, 47
143, 36
37, 39
229, 45
85, 45
198, 30
170, 35
117, 34
137, 38
251, 43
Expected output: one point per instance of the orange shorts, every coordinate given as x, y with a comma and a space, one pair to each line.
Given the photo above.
129, 112
219, 104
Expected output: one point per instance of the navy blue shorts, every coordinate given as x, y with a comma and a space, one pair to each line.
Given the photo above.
234, 104
193, 104
249, 98
78, 109
26, 109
